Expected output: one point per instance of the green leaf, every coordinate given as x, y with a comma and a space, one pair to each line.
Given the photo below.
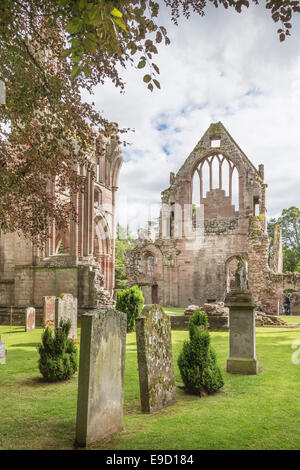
120, 23
90, 46
74, 26
150, 86
147, 78
75, 71
141, 64
156, 82
87, 71
66, 52
116, 13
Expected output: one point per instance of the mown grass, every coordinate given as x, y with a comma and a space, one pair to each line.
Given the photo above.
251, 412
291, 318
180, 311
174, 310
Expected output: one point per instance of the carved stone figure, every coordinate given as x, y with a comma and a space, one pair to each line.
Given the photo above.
241, 275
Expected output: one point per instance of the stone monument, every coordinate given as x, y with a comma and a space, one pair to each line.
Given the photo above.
101, 375
242, 358
49, 311
29, 319
155, 359
66, 309
2, 352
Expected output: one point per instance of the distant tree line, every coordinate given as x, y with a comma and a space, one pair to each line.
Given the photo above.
289, 221
124, 242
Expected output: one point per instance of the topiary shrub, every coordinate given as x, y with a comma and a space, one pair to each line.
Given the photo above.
130, 301
58, 354
197, 360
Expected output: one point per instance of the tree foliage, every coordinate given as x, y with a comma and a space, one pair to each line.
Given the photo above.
197, 360
51, 50
289, 221
124, 242
131, 302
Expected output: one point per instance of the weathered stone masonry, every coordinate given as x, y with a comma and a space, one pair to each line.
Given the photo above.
213, 211
79, 261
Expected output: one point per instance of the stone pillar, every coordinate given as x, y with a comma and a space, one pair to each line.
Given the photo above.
86, 215
80, 223
91, 215
113, 247
101, 375
74, 228
276, 262
242, 357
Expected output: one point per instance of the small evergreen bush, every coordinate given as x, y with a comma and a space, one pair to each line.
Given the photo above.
197, 360
130, 301
58, 354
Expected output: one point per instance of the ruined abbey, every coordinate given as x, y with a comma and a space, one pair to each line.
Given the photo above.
79, 261
213, 212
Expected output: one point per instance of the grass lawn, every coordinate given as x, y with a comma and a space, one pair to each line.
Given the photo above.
174, 310
180, 311
291, 318
251, 412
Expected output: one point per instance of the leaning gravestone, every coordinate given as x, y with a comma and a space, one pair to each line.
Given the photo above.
66, 309
101, 375
2, 352
49, 311
29, 319
155, 359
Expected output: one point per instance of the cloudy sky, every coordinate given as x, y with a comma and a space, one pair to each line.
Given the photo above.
225, 67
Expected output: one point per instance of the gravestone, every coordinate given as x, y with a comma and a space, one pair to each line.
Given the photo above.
2, 352
155, 359
49, 311
29, 319
66, 309
101, 375
242, 358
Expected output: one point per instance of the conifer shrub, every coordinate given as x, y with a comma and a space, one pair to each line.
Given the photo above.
58, 354
197, 360
130, 301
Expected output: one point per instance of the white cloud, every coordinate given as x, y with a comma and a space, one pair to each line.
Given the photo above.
222, 67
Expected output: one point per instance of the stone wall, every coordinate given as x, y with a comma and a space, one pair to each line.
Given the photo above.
69, 260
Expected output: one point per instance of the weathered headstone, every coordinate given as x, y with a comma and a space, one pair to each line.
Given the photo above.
242, 358
29, 319
155, 359
49, 311
66, 309
2, 352
101, 375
